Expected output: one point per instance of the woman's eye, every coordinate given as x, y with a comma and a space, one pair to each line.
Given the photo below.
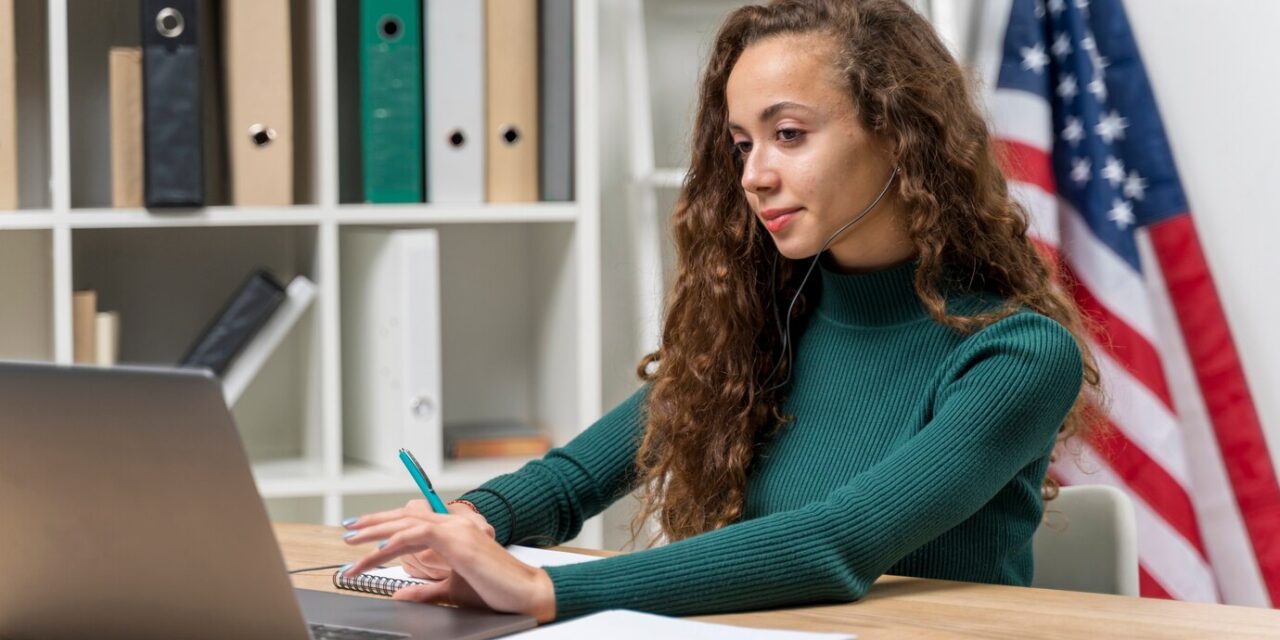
786, 135
797, 132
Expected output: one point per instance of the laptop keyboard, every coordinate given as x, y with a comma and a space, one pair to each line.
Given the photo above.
330, 632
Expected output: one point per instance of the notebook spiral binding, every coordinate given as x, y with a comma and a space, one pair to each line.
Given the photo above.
366, 583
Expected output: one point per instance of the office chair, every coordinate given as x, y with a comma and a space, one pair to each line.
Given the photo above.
1087, 542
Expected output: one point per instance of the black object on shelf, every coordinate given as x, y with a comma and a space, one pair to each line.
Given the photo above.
235, 325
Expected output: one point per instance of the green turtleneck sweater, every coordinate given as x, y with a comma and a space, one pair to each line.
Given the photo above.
915, 451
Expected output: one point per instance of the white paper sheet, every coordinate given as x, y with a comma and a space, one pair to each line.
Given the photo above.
528, 555
632, 625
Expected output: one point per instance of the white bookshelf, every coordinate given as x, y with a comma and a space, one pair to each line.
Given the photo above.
520, 283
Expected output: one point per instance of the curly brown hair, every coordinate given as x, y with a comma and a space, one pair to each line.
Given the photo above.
709, 404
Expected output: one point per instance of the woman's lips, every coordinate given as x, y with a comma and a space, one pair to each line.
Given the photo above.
775, 225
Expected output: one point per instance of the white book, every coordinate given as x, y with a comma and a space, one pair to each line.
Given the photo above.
107, 338
455, 87
391, 347
245, 367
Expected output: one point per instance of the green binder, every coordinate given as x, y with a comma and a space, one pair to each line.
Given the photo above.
391, 100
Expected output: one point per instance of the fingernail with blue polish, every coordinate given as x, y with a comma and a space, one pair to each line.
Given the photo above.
350, 534
349, 521
383, 544
343, 569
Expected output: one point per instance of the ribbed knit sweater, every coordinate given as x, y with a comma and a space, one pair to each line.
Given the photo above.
915, 451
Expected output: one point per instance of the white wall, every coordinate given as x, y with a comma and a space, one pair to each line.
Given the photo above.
1211, 67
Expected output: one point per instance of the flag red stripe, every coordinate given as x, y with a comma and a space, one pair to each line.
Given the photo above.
1222, 384
1025, 163
1148, 587
1130, 348
1148, 480
1127, 346
1143, 475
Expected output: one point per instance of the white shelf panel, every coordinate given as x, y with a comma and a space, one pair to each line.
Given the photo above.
296, 478
377, 214
19, 220
666, 178
290, 478
202, 217
298, 215
456, 476
463, 475
357, 478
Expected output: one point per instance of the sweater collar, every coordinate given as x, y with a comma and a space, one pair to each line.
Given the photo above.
875, 298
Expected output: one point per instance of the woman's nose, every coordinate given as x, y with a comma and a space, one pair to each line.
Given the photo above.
758, 174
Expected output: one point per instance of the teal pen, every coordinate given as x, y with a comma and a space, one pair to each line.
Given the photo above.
424, 483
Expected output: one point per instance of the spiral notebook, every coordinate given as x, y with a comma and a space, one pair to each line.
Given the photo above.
388, 580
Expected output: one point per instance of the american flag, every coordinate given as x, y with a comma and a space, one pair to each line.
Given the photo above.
1086, 154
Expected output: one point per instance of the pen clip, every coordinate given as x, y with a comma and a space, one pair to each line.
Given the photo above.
405, 453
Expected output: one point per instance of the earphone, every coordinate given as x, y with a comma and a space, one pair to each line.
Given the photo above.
773, 279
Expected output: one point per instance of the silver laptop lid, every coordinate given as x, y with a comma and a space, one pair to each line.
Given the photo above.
129, 510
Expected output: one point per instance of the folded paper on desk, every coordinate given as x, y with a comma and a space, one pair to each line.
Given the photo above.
633, 625
386, 581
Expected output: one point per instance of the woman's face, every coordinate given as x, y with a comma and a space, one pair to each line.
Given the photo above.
803, 149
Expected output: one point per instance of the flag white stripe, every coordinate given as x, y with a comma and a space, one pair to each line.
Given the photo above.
1022, 117
1226, 541
1109, 278
1042, 210
1143, 418
1167, 556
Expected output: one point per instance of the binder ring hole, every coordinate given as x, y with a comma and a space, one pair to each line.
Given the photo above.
390, 28
261, 134
456, 139
422, 407
170, 23
510, 134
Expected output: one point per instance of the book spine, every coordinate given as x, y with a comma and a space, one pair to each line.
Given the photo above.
8, 108
391, 100
172, 103
107, 338
244, 314
125, 71
529, 446
511, 88
84, 320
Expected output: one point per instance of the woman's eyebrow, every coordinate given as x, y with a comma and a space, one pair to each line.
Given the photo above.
771, 111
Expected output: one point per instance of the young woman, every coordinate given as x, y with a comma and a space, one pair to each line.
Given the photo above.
799, 436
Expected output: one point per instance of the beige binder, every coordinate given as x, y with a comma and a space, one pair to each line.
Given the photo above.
511, 81
259, 101
125, 71
8, 109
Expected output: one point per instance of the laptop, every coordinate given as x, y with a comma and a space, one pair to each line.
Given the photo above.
128, 510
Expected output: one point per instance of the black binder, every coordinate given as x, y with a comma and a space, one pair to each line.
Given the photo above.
172, 103
236, 324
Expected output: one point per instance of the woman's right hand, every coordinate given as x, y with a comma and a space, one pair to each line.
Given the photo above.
428, 564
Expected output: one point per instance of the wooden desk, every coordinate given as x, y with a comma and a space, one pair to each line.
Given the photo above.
898, 607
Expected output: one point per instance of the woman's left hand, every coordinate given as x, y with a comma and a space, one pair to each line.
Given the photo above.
484, 575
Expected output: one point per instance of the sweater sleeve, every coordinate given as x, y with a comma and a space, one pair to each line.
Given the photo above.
1004, 394
546, 501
